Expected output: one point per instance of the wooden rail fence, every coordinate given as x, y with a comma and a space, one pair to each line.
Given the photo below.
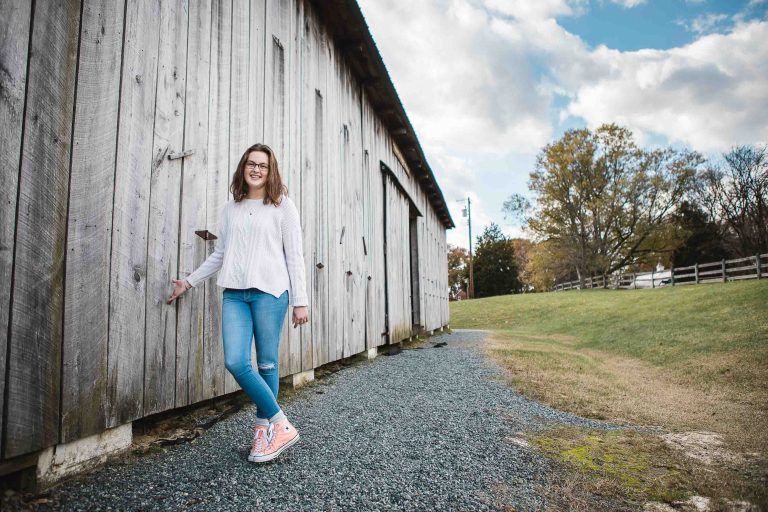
751, 267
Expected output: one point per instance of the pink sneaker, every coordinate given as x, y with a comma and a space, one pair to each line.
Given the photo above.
280, 436
260, 441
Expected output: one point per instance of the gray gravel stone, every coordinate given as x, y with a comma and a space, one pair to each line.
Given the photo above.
422, 430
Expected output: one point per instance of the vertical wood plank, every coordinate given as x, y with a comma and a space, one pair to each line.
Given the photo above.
256, 71
86, 301
379, 148
337, 228
292, 157
192, 249
131, 211
238, 133
255, 121
376, 242
370, 214
34, 345
163, 231
279, 15
208, 377
354, 336
319, 275
307, 81
14, 45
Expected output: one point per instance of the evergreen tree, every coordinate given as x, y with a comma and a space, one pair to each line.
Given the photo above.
701, 238
495, 269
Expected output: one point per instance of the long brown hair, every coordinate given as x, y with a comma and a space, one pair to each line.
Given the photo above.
275, 186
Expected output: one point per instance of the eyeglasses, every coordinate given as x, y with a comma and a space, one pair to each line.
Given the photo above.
251, 166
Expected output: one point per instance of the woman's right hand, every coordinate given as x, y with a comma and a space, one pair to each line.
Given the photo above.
179, 287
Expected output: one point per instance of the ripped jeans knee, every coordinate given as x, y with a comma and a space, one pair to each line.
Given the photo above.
266, 367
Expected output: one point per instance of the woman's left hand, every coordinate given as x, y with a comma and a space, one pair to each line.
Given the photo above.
300, 315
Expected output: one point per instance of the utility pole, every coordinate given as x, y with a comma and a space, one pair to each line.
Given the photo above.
467, 212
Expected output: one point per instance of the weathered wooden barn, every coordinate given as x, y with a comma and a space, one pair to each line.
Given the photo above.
121, 122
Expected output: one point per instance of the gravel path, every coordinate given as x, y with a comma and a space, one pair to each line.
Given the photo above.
426, 429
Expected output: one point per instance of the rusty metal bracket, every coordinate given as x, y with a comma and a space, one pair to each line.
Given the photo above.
206, 235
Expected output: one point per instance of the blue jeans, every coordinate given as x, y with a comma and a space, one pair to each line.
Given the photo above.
246, 314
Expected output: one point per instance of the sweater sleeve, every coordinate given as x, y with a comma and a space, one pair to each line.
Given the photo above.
294, 256
213, 263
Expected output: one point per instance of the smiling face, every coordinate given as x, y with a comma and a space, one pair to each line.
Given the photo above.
257, 176
256, 170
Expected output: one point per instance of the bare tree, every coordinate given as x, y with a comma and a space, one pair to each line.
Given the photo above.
735, 194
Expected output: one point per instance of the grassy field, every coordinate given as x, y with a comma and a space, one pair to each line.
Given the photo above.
691, 358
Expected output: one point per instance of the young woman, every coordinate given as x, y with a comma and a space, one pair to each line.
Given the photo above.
262, 271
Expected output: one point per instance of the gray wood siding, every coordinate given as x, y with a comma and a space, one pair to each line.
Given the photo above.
89, 229
14, 44
192, 249
164, 207
133, 174
96, 219
206, 374
33, 362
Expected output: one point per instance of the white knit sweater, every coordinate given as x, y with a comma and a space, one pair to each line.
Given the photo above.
259, 246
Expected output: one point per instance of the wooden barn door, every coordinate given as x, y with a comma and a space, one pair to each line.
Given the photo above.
413, 239
397, 260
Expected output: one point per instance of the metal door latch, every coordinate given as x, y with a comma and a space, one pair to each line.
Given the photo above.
174, 156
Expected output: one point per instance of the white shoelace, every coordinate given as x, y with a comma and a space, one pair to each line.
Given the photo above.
259, 441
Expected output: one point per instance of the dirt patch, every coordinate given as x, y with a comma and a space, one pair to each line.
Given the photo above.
700, 504
705, 447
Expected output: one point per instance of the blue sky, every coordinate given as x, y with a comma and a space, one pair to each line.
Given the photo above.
655, 24
487, 83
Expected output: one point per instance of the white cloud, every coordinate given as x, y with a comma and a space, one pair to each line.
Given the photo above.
709, 94
537, 10
461, 84
704, 23
629, 3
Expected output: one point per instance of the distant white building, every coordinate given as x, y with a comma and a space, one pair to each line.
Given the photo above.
658, 277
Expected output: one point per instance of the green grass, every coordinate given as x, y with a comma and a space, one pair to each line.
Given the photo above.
658, 326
